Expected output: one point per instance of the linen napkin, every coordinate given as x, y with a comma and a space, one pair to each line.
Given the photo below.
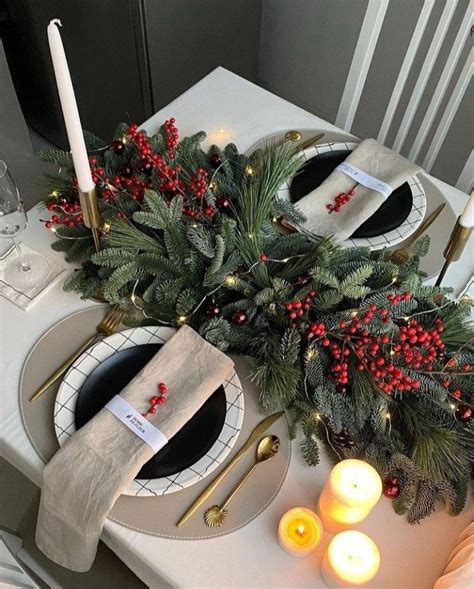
375, 160
88, 473
26, 298
459, 572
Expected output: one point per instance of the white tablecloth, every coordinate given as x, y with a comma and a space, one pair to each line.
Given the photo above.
229, 109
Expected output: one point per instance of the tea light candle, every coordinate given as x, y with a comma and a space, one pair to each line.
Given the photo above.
350, 493
300, 531
351, 560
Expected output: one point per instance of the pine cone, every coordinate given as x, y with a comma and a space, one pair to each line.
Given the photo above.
342, 439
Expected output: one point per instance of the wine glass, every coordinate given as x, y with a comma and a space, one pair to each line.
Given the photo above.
30, 270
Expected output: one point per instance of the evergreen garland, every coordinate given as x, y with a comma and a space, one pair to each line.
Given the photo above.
193, 237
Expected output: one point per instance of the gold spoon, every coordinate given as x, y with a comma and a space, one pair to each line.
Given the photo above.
401, 255
293, 135
267, 448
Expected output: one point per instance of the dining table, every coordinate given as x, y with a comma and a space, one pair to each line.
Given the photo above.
230, 109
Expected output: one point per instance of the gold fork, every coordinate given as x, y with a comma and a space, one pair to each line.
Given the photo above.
105, 327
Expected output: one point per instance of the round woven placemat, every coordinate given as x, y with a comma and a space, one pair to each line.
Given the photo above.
154, 515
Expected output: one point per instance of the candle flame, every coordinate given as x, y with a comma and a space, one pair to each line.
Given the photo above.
300, 530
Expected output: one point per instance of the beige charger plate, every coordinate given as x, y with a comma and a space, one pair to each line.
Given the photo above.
439, 231
153, 515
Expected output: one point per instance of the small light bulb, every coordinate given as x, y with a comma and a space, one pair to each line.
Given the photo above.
392, 352
285, 260
407, 318
387, 416
452, 405
318, 416
354, 313
212, 185
230, 280
53, 229
54, 193
182, 319
274, 220
133, 298
249, 170
106, 227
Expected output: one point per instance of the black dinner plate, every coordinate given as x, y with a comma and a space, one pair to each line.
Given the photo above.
390, 215
185, 448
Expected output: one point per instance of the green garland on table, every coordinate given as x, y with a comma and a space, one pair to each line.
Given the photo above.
368, 360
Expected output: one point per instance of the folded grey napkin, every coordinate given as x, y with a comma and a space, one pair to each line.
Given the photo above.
375, 160
89, 472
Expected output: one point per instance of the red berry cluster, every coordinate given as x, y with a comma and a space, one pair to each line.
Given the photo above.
172, 137
415, 348
98, 173
157, 399
420, 347
69, 215
394, 299
297, 308
135, 186
168, 175
316, 330
446, 383
198, 184
341, 199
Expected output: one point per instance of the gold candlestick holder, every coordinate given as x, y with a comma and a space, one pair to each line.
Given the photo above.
456, 244
91, 214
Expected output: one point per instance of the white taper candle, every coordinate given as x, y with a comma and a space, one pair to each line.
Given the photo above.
467, 217
69, 108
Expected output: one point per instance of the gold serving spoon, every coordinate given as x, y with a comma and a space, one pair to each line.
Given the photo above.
296, 136
401, 255
204, 496
268, 446
293, 135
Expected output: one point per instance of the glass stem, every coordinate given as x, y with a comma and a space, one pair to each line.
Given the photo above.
24, 265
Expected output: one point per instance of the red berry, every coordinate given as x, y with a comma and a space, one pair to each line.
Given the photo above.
162, 388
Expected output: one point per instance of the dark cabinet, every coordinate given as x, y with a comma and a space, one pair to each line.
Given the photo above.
128, 58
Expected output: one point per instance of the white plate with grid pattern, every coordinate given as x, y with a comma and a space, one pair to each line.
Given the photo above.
66, 399
385, 240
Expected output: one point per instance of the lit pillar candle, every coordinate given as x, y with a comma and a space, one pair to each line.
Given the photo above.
467, 217
300, 531
70, 113
350, 493
351, 560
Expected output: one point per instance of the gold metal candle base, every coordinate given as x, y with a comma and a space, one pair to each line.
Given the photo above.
91, 214
456, 244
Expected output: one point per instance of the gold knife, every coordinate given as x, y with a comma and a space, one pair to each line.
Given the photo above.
257, 432
311, 141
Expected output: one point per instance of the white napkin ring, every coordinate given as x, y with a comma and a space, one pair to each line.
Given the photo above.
365, 179
136, 423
